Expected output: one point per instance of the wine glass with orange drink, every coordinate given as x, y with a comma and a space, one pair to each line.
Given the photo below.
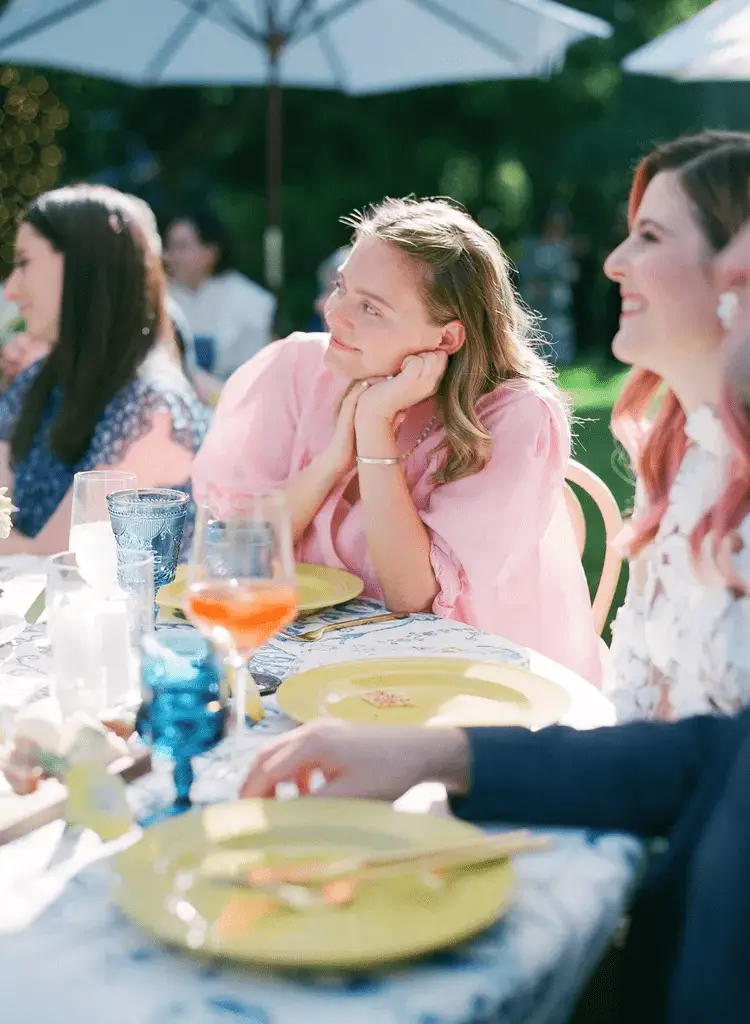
241, 582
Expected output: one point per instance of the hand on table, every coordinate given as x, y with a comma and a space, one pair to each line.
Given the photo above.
20, 767
376, 762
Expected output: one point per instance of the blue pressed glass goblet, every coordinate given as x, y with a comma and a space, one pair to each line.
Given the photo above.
151, 520
184, 704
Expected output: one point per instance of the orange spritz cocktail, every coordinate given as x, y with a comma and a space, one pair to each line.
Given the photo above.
250, 611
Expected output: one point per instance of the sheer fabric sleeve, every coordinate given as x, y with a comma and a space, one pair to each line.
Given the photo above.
249, 444
483, 527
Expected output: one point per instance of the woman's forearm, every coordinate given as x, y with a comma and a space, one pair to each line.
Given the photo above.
307, 490
397, 539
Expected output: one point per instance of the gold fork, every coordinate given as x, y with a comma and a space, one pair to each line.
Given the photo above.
317, 634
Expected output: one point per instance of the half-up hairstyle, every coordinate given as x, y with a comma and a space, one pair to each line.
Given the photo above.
465, 276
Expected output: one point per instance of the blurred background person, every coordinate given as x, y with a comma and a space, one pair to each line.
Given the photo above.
547, 271
176, 335
9, 315
18, 353
108, 394
328, 274
230, 316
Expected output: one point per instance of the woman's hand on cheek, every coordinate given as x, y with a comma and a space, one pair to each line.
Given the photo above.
419, 379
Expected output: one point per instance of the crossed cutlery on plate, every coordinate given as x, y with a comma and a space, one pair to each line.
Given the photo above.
310, 883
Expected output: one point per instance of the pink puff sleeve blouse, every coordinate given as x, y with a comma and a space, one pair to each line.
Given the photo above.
502, 545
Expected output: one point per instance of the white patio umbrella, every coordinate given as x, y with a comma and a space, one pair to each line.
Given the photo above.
713, 45
355, 46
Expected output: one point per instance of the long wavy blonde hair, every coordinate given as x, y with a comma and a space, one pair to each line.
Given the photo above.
465, 277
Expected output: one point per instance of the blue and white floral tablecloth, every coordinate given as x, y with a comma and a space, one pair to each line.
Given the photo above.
70, 957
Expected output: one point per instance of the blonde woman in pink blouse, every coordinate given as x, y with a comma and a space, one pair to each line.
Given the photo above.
421, 444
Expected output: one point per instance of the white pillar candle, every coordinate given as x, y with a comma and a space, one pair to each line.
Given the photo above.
116, 656
75, 644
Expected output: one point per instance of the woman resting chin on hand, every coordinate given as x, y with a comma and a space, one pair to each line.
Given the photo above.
422, 444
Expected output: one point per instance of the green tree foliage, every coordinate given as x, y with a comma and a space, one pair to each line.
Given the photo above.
31, 117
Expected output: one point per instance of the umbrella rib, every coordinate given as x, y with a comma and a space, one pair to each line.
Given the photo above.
466, 28
570, 16
324, 18
296, 14
334, 61
48, 21
237, 19
196, 12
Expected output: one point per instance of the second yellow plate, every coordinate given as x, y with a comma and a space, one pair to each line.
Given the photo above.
318, 587
159, 884
424, 691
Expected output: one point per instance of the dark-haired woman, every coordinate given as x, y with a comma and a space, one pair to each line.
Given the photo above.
108, 394
230, 316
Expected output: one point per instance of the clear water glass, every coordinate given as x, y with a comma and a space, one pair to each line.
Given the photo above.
71, 607
151, 519
184, 703
91, 536
95, 636
135, 576
90, 490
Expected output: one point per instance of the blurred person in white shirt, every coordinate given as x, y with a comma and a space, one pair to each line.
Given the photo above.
231, 317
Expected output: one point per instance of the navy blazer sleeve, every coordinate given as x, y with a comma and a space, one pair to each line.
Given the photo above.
634, 778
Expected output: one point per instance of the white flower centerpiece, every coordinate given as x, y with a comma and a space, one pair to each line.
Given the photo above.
7, 508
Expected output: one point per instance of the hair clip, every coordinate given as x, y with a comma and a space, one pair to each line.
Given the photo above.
115, 222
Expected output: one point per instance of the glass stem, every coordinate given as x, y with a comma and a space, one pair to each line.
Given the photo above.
183, 781
239, 685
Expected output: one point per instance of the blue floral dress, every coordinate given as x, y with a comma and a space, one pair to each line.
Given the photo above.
41, 479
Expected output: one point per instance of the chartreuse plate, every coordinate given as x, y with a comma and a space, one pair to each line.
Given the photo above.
158, 884
424, 691
318, 587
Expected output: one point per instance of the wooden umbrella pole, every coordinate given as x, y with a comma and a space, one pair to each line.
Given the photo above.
274, 239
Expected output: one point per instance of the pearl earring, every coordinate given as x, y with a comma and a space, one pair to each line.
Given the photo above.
726, 308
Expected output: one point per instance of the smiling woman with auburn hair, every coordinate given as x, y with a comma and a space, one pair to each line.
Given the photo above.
422, 444
681, 643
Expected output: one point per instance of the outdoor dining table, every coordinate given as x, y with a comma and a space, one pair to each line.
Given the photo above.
69, 955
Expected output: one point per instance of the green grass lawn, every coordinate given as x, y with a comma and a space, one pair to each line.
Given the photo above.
594, 390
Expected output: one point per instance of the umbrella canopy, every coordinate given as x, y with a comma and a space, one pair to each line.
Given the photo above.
713, 45
355, 46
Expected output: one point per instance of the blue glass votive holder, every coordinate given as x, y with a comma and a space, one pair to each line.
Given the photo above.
184, 703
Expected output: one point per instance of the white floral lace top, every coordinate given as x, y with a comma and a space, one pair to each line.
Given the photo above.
681, 646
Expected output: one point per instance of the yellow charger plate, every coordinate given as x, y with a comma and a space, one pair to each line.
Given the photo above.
158, 884
440, 691
318, 587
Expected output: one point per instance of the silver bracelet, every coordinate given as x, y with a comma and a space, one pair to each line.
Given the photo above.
379, 462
